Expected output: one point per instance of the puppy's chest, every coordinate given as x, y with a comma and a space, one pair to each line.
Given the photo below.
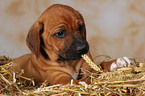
73, 73
70, 69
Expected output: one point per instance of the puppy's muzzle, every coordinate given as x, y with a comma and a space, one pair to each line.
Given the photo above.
78, 48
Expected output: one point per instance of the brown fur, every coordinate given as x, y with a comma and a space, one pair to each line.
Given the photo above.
44, 63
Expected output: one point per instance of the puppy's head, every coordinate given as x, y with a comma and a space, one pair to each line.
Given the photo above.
59, 33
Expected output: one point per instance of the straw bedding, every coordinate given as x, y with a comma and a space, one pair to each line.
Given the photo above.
127, 81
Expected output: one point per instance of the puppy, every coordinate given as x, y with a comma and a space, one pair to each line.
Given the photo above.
57, 40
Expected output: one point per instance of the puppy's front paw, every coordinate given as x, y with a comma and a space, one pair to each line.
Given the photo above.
121, 62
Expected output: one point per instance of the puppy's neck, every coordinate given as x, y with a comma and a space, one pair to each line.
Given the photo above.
44, 63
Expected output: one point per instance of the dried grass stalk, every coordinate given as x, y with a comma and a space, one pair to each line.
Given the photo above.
91, 63
124, 81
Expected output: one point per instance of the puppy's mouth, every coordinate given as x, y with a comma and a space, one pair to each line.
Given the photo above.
74, 54
71, 58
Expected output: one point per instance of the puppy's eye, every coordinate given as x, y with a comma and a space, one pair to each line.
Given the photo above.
81, 27
60, 34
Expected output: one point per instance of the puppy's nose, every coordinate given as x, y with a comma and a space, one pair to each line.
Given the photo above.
83, 49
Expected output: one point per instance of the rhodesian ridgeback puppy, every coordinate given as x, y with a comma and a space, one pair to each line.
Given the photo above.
57, 40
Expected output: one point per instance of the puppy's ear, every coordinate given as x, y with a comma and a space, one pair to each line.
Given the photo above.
33, 37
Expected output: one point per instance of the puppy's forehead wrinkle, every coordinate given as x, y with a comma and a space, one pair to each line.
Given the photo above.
71, 23
60, 26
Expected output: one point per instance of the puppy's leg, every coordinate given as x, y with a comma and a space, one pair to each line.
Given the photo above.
117, 63
58, 77
106, 65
